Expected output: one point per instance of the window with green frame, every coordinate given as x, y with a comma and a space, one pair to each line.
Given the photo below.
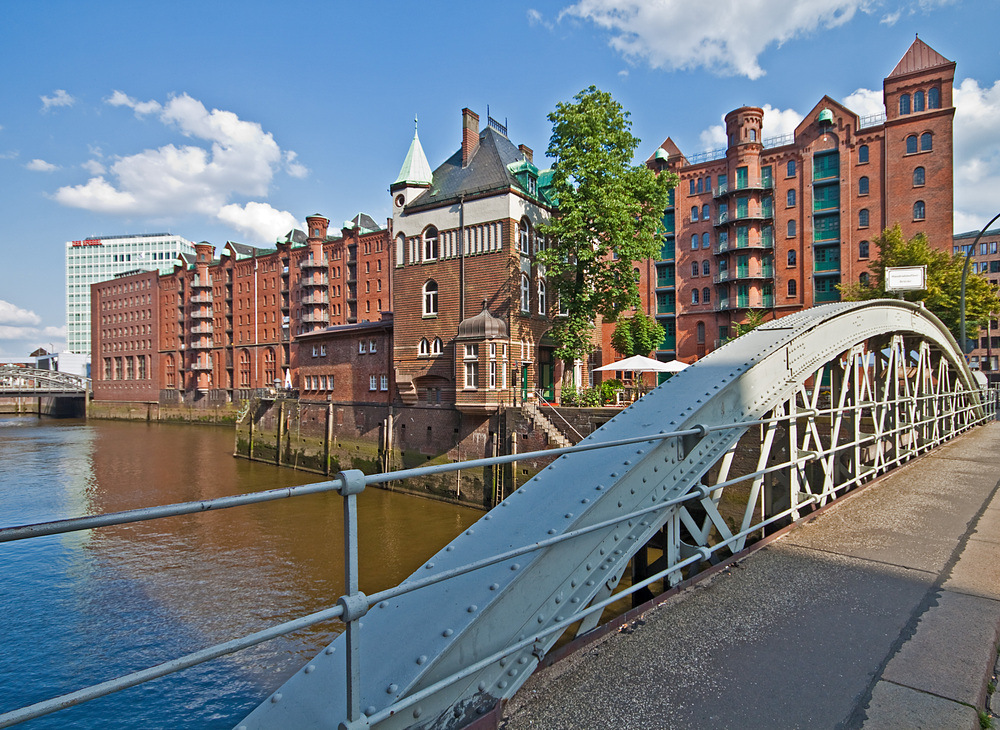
742, 207
826, 228
826, 197
826, 165
743, 266
742, 237
742, 178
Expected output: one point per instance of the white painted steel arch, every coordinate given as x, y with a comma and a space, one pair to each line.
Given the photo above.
881, 351
26, 381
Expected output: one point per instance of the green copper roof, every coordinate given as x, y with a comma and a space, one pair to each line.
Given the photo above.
415, 170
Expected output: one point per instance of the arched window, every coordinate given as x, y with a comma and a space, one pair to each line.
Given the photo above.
904, 104
791, 257
863, 249
791, 229
700, 331
918, 101
436, 346
704, 212
400, 248
919, 177
934, 98
430, 244
171, 372
541, 296
424, 348
926, 142
863, 278
919, 211
790, 168
706, 240
694, 213
525, 293
790, 197
792, 290
863, 185
863, 153
706, 296
863, 218
244, 368
270, 372
694, 268
694, 296
430, 306
524, 237
694, 241
706, 268
911, 144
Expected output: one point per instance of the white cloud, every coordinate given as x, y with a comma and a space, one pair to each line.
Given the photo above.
891, 19
37, 165
259, 220
11, 155
977, 154
59, 98
536, 18
713, 138
11, 314
94, 167
865, 102
727, 39
228, 158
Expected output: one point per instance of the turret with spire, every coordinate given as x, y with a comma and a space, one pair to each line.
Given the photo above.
414, 176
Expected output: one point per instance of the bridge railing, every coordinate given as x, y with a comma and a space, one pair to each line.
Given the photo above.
352, 606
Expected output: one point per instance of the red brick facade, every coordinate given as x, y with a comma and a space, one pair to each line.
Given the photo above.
125, 332
347, 363
775, 225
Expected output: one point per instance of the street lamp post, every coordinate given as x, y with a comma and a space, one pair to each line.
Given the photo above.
965, 273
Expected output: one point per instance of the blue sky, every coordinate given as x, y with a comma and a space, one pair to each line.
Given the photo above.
233, 120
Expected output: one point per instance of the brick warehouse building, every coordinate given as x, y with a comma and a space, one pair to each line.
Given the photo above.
221, 327
125, 331
776, 224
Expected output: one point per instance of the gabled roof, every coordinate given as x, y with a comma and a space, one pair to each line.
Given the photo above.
415, 170
294, 236
364, 222
669, 148
487, 171
245, 251
918, 57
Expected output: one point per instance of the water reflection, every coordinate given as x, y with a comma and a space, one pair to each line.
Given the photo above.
89, 606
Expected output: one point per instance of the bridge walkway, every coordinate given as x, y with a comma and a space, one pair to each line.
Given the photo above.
882, 611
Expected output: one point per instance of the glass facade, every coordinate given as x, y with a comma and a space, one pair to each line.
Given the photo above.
97, 259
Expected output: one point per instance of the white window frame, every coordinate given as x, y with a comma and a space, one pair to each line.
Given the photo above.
372, 346
525, 294
373, 382
541, 296
383, 382
361, 347
423, 349
429, 299
437, 346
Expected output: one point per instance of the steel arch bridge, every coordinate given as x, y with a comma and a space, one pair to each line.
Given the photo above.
771, 425
18, 381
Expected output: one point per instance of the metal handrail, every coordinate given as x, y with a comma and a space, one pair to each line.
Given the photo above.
350, 483
541, 397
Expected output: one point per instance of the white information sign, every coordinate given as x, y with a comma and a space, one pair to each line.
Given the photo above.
905, 278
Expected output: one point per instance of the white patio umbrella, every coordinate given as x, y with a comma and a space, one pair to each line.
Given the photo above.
642, 364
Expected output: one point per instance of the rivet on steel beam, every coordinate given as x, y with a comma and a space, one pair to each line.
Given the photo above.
487, 518
512, 671
276, 697
522, 660
330, 650
494, 586
310, 668
584, 501
541, 618
481, 686
449, 548
515, 566
473, 608
421, 659
429, 566
501, 684
383, 604
417, 712
468, 532
590, 584
447, 632
391, 688
574, 599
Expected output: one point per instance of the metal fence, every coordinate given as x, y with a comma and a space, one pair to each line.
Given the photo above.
351, 607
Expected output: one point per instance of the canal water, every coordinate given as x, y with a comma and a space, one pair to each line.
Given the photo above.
85, 607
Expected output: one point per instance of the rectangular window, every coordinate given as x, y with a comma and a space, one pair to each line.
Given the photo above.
315, 350
322, 350
471, 352
373, 382
372, 346
361, 347
472, 374
493, 376
742, 178
826, 166
383, 382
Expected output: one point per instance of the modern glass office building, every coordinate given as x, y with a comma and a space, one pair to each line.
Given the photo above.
101, 258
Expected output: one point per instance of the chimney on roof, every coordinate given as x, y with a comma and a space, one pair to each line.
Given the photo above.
470, 135
526, 151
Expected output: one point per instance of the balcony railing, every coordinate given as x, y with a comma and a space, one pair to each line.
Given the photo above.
826, 266
826, 296
201, 345
201, 282
315, 280
316, 318
201, 315
740, 185
313, 264
722, 276
205, 298
201, 366
664, 281
205, 328
318, 298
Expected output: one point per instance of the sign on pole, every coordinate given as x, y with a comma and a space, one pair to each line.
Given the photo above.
905, 278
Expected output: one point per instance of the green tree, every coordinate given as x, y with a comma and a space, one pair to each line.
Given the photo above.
754, 319
639, 334
609, 216
944, 281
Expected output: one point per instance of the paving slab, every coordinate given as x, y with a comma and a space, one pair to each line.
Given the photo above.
952, 651
894, 708
840, 623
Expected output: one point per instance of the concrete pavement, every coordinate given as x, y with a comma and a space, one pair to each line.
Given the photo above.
883, 611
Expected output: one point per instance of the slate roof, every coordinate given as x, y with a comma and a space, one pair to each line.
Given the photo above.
486, 172
918, 57
363, 221
348, 329
294, 236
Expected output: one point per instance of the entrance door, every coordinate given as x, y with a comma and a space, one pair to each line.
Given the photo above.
524, 383
546, 373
